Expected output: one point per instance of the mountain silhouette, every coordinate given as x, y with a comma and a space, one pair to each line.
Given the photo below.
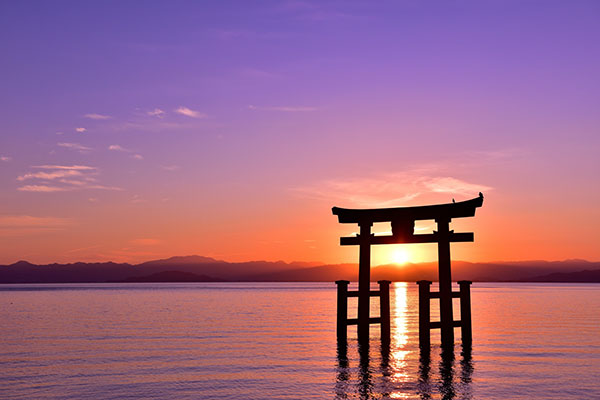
579, 276
206, 269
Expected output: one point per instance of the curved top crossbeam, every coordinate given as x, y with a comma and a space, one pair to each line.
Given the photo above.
437, 211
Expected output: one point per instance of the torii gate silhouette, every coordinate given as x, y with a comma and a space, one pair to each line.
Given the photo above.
402, 220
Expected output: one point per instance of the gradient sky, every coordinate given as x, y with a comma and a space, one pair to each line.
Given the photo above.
137, 130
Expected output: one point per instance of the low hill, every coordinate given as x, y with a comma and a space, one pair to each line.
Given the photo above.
579, 276
209, 269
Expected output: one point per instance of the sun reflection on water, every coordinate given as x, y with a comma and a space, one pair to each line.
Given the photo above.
399, 351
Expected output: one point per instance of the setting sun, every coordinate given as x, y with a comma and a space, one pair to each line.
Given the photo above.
400, 256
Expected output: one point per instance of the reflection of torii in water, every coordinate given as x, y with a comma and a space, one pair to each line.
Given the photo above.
402, 220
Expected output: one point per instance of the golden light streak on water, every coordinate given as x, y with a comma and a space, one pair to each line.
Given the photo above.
399, 351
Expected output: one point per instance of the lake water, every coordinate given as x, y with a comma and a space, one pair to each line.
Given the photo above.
277, 341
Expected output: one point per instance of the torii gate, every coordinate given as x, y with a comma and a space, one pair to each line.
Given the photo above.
403, 221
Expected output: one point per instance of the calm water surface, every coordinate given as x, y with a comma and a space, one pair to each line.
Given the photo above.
277, 341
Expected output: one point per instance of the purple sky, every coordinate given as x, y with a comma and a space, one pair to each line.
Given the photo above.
229, 129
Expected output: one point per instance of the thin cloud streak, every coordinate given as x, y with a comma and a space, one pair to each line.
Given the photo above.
80, 130
63, 174
119, 148
97, 116
20, 225
74, 146
283, 108
28, 221
102, 187
41, 188
389, 190
190, 113
148, 125
453, 185
77, 186
50, 175
74, 182
157, 112
116, 147
71, 167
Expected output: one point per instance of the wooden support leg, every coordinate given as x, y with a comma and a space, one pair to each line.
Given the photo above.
445, 281
465, 311
364, 282
384, 310
424, 317
342, 310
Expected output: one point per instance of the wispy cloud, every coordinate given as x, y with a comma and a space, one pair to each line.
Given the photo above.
5, 158
103, 187
23, 221
190, 113
75, 146
62, 178
41, 188
97, 116
157, 112
76, 182
74, 185
50, 175
18, 225
70, 167
80, 130
116, 147
388, 190
159, 125
452, 185
283, 108
170, 167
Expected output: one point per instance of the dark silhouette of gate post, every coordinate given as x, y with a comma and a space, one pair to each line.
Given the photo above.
424, 313
342, 309
384, 310
445, 281
465, 311
364, 281
402, 221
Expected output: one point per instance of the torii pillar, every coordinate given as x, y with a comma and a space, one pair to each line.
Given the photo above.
364, 281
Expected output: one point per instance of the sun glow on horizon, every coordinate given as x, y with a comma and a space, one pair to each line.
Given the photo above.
400, 256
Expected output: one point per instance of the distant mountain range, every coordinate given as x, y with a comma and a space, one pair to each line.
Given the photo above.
205, 269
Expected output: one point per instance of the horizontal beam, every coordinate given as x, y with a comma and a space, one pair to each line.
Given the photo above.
389, 239
438, 324
372, 293
435, 211
436, 295
354, 321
